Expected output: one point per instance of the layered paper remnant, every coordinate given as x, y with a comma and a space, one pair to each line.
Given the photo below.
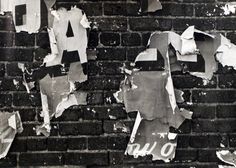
63, 67
148, 86
10, 125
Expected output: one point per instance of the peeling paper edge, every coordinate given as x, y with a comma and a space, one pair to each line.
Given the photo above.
225, 152
135, 127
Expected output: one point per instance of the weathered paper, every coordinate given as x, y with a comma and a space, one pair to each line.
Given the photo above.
10, 124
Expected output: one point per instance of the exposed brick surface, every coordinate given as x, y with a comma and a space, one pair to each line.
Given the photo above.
96, 135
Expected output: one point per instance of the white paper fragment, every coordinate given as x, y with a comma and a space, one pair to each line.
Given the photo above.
30, 20
12, 121
226, 53
227, 157
150, 5
172, 136
229, 8
149, 54
10, 124
84, 22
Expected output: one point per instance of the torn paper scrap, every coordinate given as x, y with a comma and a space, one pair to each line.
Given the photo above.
150, 5
229, 8
63, 67
227, 157
26, 14
10, 124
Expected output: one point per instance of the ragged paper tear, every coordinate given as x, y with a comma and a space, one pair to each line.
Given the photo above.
150, 5
10, 124
229, 8
63, 67
227, 157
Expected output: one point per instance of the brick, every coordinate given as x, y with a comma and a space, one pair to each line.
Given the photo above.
130, 39
111, 24
183, 141
227, 81
9, 161
90, 128
226, 111
95, 98
225, 125
18, 145
6, 23
71, 114
101, 113
111, 54
6, 39
77, 143
225, 24
5, 100
27, 114
201, 24
13, 70
16, 54
11, 85
24, 39
98, 158
204, 126
204, 112
185, 155
188, 81
110, 39
215, 141
25, 99
97, 143
173, 9
214, 96
41, 159
2, 70
199, 141
207, 156
57, 144
209, 10
232, 37
150, 24
232, 140
36, 144
132, 53
118, 143
109, 68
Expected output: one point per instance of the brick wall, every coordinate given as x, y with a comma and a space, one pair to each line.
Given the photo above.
85, 135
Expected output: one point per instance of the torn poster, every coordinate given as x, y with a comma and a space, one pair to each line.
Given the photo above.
150, 5
10, 124
151, 93
63, 67
148, 86
28, 15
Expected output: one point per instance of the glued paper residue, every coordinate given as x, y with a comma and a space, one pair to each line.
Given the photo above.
10, 124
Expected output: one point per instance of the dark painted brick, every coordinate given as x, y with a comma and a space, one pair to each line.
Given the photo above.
204, 112
111, 24
6, 39
5, 100
97, 143
110, 39
226, 111
226, 24
207, 156
91, 128
111, 54
9, 161
95, 98
209, 10
18, 145
41, 159
77, 143
150, 24
201, 24
24, 99
117, 143
130, 39
38, 144
185, 155
173, 9
24, 39
6, 23
204, 126
57, 144
232, 140
16, 54
214, 96
227, 81
98, 158
198, 141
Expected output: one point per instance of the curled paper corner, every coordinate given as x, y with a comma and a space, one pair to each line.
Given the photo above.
179, 96
84, 22
227, 157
